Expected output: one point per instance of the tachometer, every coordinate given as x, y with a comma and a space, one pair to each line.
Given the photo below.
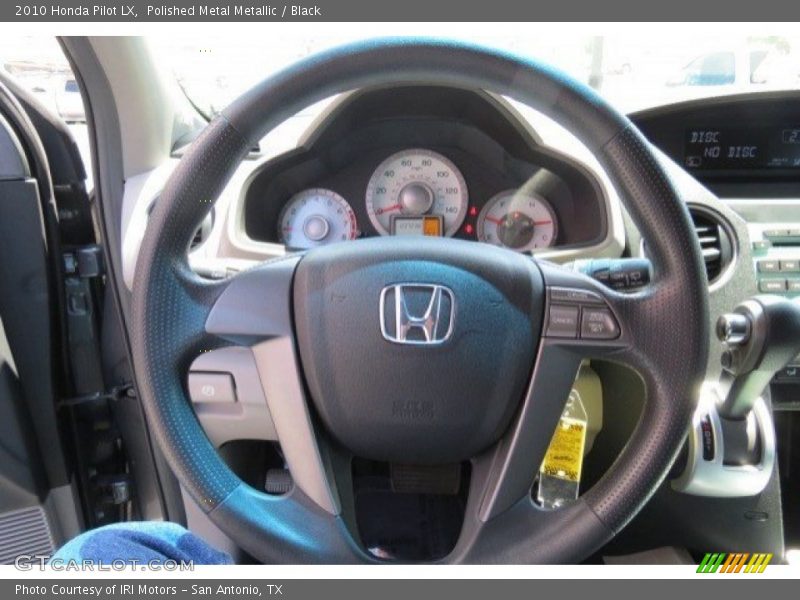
413, 183
315, 217
517, 220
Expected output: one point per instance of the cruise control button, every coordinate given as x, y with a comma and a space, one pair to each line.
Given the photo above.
771, 286
574, 295
562, 321
599, 324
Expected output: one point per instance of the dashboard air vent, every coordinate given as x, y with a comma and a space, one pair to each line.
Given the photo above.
715, 241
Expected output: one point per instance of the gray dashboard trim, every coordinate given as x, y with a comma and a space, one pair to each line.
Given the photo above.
714, 478
765, 210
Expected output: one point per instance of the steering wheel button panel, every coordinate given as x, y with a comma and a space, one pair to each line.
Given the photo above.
598, 324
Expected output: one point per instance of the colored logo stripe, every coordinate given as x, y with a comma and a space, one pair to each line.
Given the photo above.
735, 562
758, 563
710, 563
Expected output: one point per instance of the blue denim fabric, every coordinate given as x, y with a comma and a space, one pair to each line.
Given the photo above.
140, 543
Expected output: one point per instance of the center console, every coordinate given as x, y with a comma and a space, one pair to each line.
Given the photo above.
776, 261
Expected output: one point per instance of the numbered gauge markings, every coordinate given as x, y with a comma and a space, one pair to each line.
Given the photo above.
414, 183
517, 220
315, 217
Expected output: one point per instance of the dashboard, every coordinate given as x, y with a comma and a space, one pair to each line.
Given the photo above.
746, 150
424, 160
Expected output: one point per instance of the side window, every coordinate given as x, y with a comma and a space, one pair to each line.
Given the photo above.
37, 63
718, 68
757, 59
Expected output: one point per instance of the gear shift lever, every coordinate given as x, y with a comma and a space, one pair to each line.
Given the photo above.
731, 442
762, 336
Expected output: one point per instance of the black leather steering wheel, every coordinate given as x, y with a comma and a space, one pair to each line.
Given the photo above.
313, 323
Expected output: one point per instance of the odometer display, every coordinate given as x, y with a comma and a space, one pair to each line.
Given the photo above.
428, 225
415, 183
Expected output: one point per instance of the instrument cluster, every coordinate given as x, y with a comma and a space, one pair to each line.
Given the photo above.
419, 192
424, 161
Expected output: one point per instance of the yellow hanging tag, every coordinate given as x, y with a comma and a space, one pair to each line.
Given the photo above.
564, 458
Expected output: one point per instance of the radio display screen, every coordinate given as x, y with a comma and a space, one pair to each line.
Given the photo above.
740, 148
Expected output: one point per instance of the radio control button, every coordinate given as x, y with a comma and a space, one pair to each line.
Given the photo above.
772, 286
768, 266
790, 265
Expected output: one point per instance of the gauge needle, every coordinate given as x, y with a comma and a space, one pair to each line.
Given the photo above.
542, 222
380, 211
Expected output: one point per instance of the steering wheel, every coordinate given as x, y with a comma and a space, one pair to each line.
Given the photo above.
496, 345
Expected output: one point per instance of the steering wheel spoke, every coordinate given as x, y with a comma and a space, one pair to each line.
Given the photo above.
255, 311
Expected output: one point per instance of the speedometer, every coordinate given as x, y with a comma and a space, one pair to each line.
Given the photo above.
315, 217
416, 183
517, 220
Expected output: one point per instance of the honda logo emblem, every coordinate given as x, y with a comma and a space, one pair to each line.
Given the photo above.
417, 313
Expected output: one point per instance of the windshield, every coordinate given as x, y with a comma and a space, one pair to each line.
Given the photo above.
633, 68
